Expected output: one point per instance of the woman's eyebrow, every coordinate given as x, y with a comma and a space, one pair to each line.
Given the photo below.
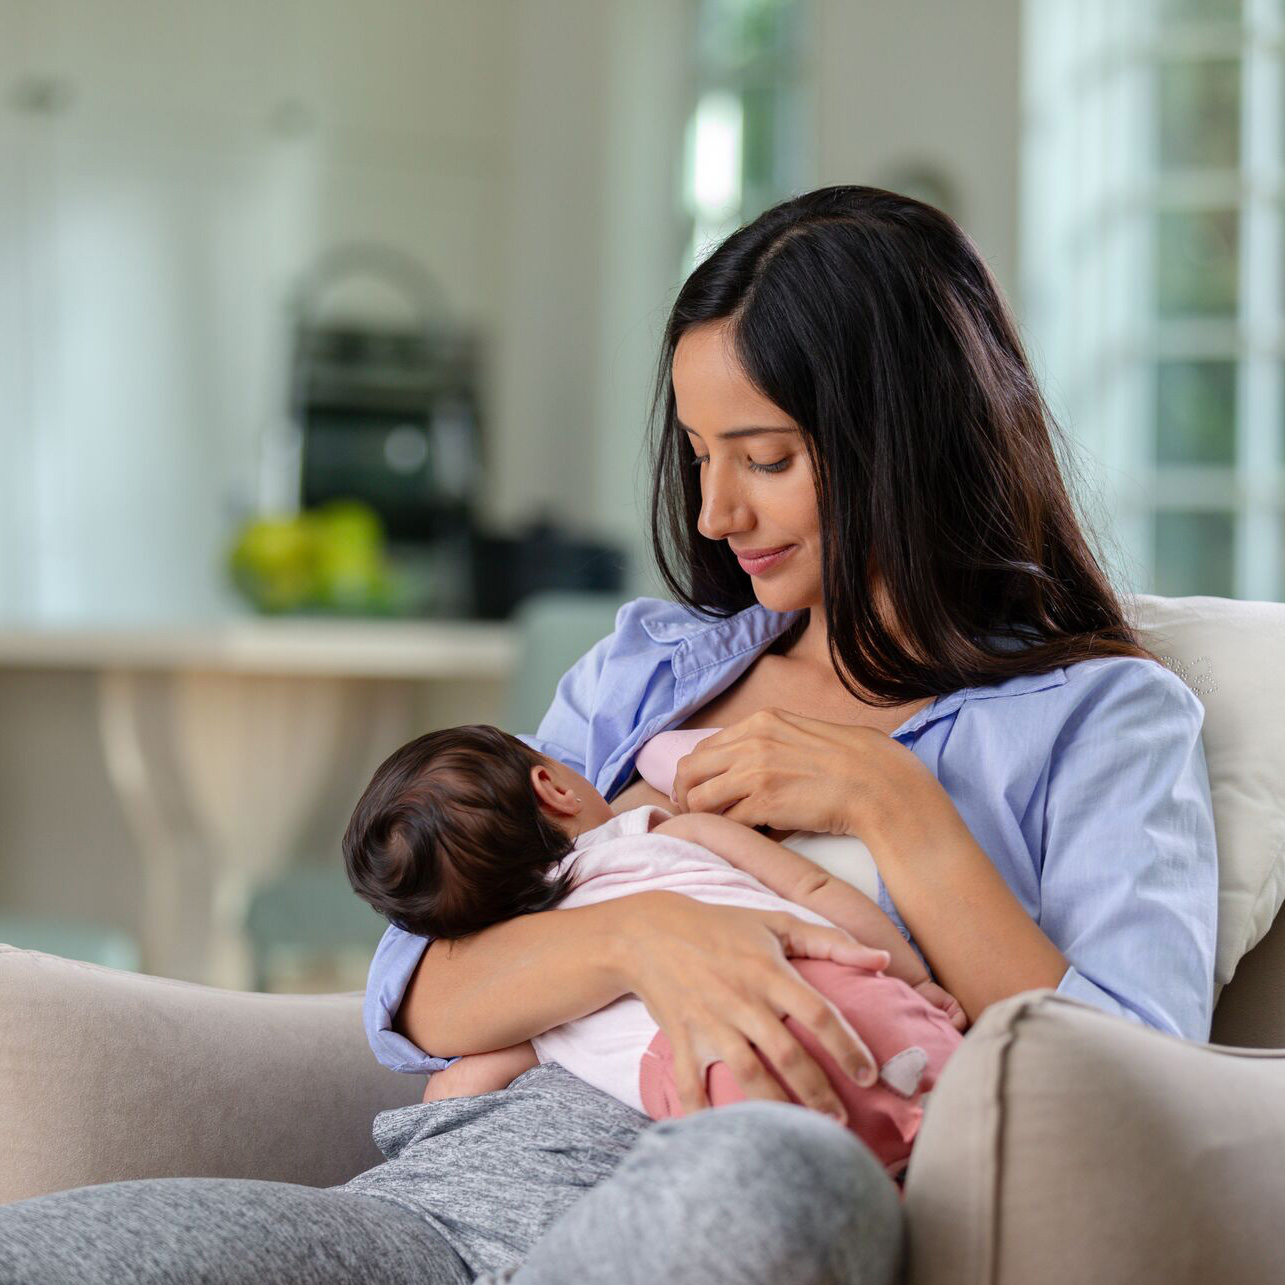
752, 431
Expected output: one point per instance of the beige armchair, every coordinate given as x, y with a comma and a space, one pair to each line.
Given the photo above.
1060, 1145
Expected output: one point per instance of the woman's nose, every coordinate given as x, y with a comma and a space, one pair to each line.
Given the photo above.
722, 510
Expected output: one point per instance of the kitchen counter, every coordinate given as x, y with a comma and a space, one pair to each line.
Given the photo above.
323, 646
220, 740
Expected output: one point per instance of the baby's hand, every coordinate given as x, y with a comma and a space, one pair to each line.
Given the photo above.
481, 1073
945, 1001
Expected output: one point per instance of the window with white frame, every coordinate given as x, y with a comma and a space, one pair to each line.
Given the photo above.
748, 137
1152, 285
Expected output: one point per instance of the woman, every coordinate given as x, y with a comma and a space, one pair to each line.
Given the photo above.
885, 602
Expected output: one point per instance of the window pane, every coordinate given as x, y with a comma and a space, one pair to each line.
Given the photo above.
758, 146
1196, 412
1196, 252
1198, 113
1194, 554
734, 34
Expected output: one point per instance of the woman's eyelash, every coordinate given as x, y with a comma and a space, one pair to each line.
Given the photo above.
756, 468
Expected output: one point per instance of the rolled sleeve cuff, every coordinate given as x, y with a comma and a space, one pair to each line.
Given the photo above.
391, 969
1074, 985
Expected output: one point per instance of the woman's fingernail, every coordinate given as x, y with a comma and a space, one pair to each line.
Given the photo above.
866, 1077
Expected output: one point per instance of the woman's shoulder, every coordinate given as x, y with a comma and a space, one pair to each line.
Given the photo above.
1104, 695
1129, 681
1098, 696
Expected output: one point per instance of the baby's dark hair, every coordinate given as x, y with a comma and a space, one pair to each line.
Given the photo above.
449, 838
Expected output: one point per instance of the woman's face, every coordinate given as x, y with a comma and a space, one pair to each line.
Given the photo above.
757, 488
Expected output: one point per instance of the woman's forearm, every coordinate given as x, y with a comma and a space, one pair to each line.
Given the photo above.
978, 939
517, 979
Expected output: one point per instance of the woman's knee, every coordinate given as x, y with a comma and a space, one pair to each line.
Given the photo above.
790, 1142
795, 1171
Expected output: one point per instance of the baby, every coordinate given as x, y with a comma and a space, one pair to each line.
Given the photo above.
452, 836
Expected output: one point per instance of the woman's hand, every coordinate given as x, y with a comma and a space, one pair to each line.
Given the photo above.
790, 772
717, 981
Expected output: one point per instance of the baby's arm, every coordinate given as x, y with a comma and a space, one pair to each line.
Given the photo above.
801, 881
805, 883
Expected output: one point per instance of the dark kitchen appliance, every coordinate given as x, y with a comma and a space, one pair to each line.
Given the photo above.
509, 568
390, 414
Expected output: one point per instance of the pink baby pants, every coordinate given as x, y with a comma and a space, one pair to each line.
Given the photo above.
909, 1039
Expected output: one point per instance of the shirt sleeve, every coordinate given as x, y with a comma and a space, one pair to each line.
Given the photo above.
1129, 883
562, 735
396, 958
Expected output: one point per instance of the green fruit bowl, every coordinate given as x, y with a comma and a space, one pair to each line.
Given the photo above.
327, 561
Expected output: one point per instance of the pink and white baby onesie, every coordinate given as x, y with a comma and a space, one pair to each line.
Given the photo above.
621, 1050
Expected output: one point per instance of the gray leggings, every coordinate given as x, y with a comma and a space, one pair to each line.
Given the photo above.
547, 1182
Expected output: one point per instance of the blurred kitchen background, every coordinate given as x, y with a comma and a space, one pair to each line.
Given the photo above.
326, 338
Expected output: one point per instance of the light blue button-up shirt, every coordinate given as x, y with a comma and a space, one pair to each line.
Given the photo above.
1086, 786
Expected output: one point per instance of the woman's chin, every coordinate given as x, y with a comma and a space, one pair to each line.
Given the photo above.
781, 598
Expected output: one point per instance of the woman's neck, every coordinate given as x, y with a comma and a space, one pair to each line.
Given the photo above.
807, 642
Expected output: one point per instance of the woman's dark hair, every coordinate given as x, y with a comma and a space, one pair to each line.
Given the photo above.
449, 838
872, 321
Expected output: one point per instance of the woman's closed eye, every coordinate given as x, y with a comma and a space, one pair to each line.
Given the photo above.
755, 466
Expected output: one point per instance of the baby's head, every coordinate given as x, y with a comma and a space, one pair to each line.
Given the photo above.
460, 828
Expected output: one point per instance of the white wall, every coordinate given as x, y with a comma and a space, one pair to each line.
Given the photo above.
904, 82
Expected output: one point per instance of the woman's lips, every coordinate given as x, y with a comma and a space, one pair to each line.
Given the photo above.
756, 566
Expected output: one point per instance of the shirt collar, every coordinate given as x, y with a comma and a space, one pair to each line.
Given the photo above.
755, 627
721, 640
948, 704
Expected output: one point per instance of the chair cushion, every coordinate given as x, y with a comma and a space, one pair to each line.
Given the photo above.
1062, 1144
1229, 653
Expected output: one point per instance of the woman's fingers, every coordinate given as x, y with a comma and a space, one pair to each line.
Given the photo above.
704, 761
718, 981
834, 1033
689, 1077
733, 1045
750, 1031
710, 760
806, 1005
793, 1063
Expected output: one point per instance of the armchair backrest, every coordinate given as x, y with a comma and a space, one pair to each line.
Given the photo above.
1229, 653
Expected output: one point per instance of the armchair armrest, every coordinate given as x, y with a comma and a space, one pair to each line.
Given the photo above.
1062, 1144
108, 1075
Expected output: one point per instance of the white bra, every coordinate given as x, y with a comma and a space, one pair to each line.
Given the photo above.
841, 855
